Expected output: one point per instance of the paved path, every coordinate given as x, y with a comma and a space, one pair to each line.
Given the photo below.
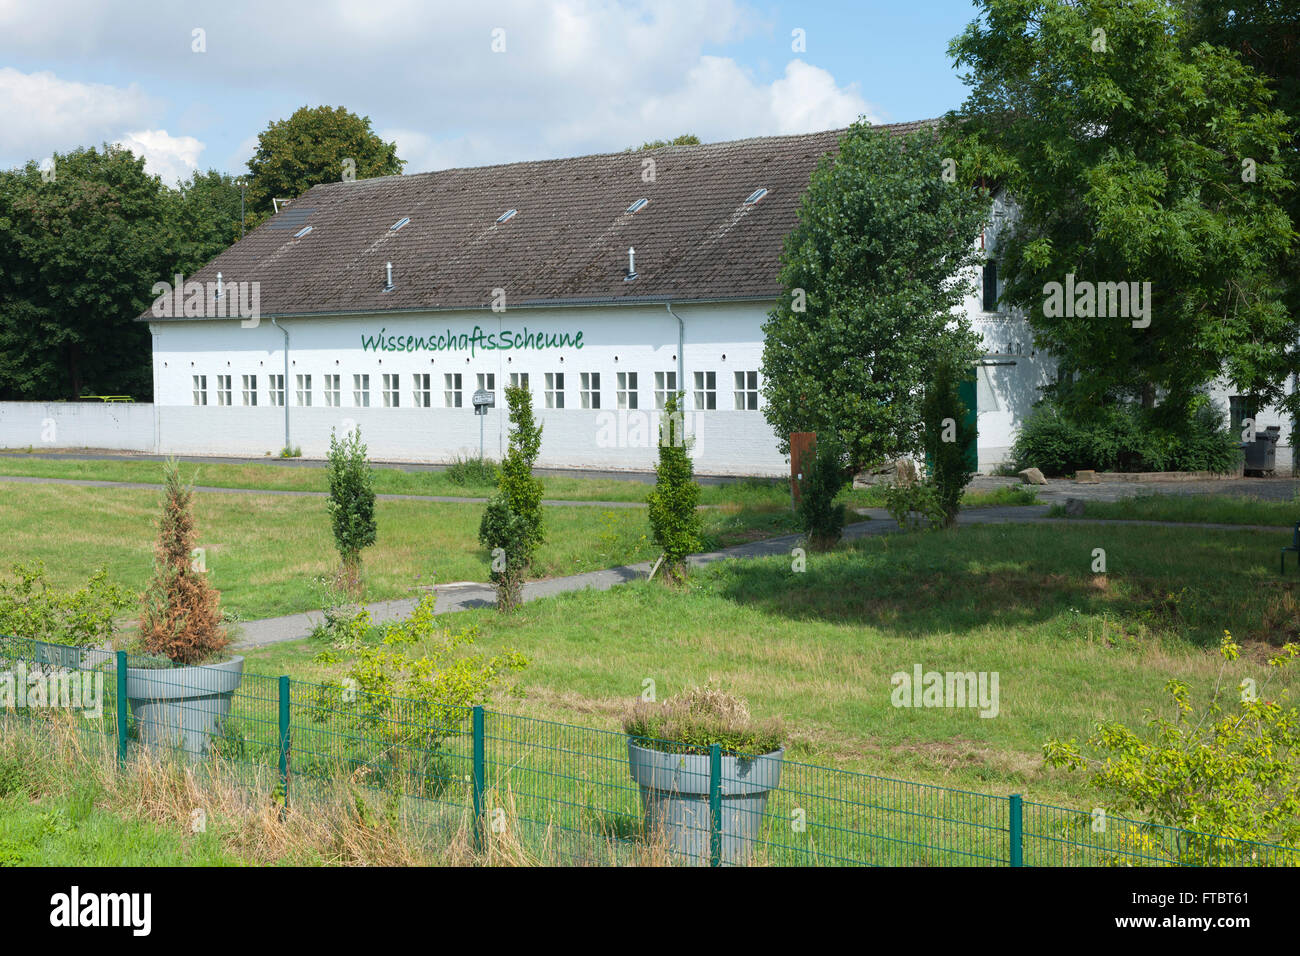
461, 596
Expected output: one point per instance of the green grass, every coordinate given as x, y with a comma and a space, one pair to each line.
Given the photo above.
751, 493
266, 553
1192, 509
817, 649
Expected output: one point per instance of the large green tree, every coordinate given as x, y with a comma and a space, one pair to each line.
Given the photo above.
81, 244
1135, 155
204, 218
315, 145
875, 274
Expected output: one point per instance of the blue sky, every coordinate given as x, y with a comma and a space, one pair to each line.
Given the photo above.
575, 76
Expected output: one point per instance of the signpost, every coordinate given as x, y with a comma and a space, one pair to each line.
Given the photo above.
483, 400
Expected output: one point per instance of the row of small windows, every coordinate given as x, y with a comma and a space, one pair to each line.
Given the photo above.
744, 395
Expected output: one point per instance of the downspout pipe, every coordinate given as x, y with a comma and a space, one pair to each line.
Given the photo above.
285, 333
681, 352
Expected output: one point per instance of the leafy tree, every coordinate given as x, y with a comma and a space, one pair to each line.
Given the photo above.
873, 273
79, 253
512, 525
674, 520
686, 139
315, 145
351, 505
30, 608
180, 615
948, 438
1126, 147
820, 517
205, 219
1230, 770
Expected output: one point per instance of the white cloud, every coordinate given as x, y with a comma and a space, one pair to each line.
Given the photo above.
43, 113
171, 157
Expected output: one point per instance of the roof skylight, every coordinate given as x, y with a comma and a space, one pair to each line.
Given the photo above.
302, 232
400, 223
640, 203
509, 213
755, 196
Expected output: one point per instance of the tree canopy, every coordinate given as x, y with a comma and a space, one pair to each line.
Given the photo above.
1135, 154
875, 273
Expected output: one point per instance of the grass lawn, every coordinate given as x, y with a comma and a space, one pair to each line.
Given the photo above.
1208, 509
818, 648
755, 493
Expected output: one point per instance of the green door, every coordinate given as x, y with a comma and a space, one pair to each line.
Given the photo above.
967, 392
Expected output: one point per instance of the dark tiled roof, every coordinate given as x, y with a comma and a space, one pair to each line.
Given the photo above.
695, 239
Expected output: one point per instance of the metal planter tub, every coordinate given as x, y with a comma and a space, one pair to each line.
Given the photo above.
182, 706
675, 795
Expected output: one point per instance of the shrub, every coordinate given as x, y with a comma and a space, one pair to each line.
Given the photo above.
1126, 437
410, 704
696, 719
674, 520
948, 439
180, 616
473, 471
351, 505
512, 526
1229, 770
915, 504
820, 518
30, 608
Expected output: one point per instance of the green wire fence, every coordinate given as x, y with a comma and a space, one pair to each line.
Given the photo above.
566, 793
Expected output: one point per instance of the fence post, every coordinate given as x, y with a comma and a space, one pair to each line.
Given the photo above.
1016, 830
715, 805
122, 706
285, 743
479, 775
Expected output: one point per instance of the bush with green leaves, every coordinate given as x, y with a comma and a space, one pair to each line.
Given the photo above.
948, 438
1125, 437
30, 608
473, 471
693, 721
821, 518
351, 504
512, 527
915, 504
409, 685
674, 520
1228, 769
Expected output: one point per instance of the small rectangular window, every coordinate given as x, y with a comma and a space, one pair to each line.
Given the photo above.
333, 390
990, 297
392, 390
487, 381
361, 391
554, 389
276, 389
422, 390
589, 389
250, 389
706, 390
200, 390
304, 390
223, 390
746, 391
519, 379
626, 391
665, 388
451, 395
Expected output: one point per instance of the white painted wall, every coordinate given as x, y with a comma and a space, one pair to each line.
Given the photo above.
54, 425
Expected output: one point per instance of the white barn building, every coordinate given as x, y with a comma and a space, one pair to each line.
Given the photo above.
605, 282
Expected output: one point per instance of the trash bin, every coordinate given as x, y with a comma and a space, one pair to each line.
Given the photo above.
1262, 452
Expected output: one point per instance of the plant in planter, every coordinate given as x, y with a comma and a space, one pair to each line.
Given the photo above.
669, 747
59, 624
182, 693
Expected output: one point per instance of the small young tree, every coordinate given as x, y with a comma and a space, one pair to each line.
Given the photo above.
180, 614
512, 526
351, 506
673, 519
948, 439
1229, 770
820, 518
